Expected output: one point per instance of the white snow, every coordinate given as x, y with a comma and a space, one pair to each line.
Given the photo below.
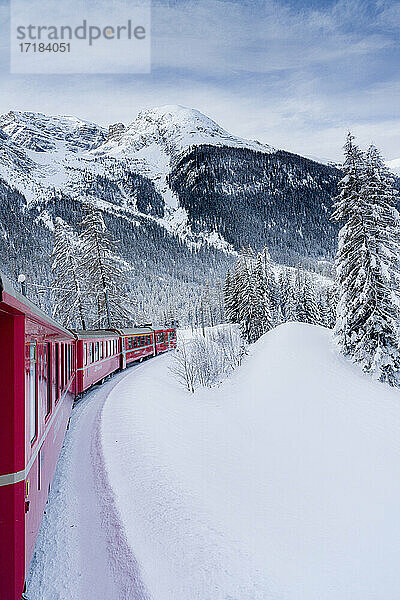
81, 552
394, 165
283, 483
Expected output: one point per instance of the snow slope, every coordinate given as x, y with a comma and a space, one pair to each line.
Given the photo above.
284, 483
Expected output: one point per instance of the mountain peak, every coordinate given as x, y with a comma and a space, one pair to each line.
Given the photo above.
175, 128
41, 133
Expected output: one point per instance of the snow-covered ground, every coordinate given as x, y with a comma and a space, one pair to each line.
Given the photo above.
81, 552
283, 483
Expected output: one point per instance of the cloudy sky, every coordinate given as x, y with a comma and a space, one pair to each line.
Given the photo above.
294, 74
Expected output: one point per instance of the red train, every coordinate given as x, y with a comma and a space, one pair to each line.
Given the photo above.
43, 367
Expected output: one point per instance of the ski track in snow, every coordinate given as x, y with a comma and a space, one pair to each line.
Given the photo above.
81, 552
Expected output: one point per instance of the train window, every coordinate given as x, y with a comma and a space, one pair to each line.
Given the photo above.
47, 376
135, 342
62, 367
65, 365
85, 349
96, 351
101, 350
56, 378
31, 392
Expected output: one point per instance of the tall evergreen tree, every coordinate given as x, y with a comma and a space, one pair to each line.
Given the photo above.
253, 313
70, 304
229, 299
104, 273
311, 309
285, 294
271, 286
264, 295
367, 264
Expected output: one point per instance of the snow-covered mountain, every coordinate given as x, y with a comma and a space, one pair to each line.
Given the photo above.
174, 129
394, 165
171, 179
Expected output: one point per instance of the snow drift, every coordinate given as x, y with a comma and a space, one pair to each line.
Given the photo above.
282, 483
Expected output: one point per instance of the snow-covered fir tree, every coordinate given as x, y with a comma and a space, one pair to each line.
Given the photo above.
105, 276
271, 289
328, 303
311, 310
367, 264
295, 306
70, 300
264, 291
229, 303
252, 310
285, 294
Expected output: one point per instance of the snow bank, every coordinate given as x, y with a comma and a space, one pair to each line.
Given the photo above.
282, 483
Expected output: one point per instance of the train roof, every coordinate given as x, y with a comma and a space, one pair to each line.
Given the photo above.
135, 330
19, 302
95, 333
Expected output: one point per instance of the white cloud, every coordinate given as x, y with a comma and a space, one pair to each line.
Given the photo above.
294, 79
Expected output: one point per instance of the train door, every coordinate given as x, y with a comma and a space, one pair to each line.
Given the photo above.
32, 431
56, 373
48, 379
31, 391
123, 351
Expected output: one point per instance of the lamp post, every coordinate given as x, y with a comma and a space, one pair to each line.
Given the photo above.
22, 281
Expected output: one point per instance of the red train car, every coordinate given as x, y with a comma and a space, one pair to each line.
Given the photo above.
42, 368
137, 343
37, 382
98, 355
165, 339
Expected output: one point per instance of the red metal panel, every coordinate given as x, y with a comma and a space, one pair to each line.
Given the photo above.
94, 372
12, 456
